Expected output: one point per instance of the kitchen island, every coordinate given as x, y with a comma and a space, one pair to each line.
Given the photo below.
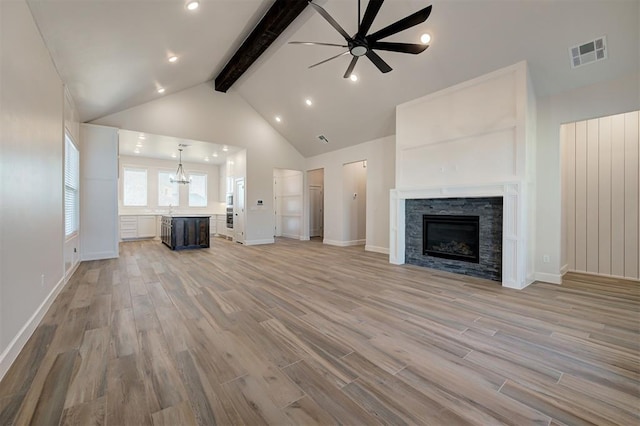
179, 232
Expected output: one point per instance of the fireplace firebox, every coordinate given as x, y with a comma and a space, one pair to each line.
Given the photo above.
452, 237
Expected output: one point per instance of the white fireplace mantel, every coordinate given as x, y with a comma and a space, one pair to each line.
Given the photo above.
514, 268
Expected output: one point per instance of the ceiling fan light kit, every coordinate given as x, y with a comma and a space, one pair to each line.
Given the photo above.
363, 44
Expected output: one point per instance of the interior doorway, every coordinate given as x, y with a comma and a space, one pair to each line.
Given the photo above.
239, 211
287, 201
354, 178
315, 179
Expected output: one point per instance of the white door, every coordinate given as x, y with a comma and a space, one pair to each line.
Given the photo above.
316, 216
238, 211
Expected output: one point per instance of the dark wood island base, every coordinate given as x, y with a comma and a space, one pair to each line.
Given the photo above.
185, 232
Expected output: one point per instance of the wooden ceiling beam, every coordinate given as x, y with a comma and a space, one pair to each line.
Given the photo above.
273, 23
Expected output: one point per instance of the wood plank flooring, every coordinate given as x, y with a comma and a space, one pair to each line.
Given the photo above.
301, 333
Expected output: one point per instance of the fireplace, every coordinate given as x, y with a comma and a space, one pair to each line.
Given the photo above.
451, 237
461, 235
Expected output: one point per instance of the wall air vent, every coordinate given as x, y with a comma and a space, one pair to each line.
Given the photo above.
586, 53
323, 139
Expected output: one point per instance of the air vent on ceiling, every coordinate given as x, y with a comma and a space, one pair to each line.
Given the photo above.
586, 53
323, 139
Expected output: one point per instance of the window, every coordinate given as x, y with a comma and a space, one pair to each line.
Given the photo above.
198, 190
135, 187
168, 194
71, 186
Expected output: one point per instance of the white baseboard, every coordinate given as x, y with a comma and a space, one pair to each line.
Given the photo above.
10, 354
100, 255
344, 243
376, 249
293, 236
595, 274
548, 278
259, 242
564, 269
71, 271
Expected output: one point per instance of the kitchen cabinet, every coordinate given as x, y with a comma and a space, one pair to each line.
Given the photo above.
185, 232
132, 227
146, 226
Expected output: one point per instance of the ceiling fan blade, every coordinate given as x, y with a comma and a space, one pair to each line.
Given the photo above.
369, 15
314, 43
351, 66
330, 20
331, 58
401, 25
399, 47
378, 61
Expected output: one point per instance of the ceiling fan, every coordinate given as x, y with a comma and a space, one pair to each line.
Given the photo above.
362, 44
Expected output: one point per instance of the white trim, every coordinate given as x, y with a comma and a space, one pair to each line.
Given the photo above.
344, 243
12, 351
100, 255
564, 269
376, 249
548, 278
259, 242
595, 274
71, 271
293, 236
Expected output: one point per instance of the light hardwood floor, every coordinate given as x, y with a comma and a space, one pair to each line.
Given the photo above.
301, 333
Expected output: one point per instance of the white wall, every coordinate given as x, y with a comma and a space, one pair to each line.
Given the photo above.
99, 226
31, 179
354, 190
71, 249
600, 166
380, 156
473, 139
153, 166
599, 100
200, 113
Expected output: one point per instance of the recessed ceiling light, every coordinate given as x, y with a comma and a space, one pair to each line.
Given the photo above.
206, 158
192, 5
173, 58
309, 102
278, 119
161, 90
353, 77
139, 145
425, 38
136, 151
215, 154
173, 155
225, 148
141, 136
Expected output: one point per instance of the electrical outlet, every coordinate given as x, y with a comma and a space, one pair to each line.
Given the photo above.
546, 259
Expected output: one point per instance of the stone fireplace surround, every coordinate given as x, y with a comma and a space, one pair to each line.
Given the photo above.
513, 220
489, 211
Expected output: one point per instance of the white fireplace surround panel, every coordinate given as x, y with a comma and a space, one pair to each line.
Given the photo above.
514, 268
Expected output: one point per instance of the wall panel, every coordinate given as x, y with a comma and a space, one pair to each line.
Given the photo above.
570, 196
592, 196
631, 195
617, 195
602, 195
581, 196
604, 200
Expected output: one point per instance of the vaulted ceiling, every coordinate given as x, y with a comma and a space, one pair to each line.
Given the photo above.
114, 55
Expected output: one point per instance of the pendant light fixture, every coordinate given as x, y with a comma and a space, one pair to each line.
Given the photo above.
181, 176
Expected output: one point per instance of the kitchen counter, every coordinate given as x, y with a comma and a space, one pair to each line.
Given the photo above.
180, 231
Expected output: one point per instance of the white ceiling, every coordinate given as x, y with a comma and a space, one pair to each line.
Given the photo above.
113, 55
137, 144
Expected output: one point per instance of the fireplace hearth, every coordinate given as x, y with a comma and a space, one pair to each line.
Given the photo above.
452, 237
461, 235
